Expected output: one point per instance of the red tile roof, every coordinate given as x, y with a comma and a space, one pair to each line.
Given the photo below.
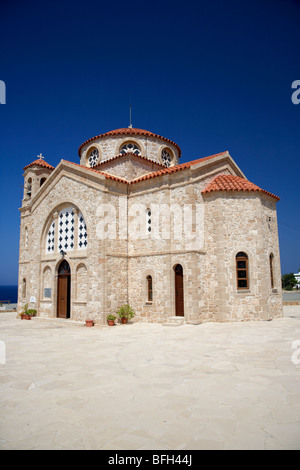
234, 183
107, 176
154, 174
131, 155
174, 169
40, 162
131, 131
219, 183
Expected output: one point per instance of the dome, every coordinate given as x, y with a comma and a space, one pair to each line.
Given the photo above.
129, 131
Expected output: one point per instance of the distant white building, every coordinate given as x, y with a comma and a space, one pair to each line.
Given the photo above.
297, 276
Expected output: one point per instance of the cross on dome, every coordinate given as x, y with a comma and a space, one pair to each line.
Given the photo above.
40, 157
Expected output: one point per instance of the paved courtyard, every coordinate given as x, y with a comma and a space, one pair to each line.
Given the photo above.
148, 386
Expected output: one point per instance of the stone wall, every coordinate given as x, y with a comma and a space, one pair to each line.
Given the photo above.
109, 147
113, 270
238, 223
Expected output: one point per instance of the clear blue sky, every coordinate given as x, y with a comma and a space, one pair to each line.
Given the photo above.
212, 76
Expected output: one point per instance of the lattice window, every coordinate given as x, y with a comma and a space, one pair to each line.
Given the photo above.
166, 157
93, 157
82, 233
149, 228
71, 231
130, 148
66, 230
50, 238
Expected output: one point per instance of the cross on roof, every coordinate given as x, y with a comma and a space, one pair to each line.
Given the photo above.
41, 156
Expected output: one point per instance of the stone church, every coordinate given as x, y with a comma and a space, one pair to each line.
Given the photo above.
130, 224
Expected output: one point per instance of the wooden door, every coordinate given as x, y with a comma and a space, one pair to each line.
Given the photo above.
63, 291
179, 297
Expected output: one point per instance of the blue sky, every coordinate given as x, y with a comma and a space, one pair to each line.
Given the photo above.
212, 76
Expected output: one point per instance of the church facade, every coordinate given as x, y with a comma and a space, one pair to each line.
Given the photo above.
130, 224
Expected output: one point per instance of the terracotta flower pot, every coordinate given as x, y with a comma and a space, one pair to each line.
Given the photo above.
89, 323
111, 322
124, 320
28, 317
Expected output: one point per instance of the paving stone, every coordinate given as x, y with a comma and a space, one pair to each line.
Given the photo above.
210, 386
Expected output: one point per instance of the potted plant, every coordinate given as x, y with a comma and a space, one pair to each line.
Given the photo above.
125, 312
89, 323
30, 313
111, 320
23, 313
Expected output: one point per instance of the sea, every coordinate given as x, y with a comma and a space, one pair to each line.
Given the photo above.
9, 293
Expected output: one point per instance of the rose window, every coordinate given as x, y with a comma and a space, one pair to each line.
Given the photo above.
130, 148
166, 157
93, 158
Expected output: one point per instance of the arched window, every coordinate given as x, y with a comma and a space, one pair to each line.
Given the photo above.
50, 238
93, 157
71, 231
149, 228
149, 289
26, 237
179, 291
130, 147
242, 275
271, 258
29, 187
24, 288
42, 181
166, 157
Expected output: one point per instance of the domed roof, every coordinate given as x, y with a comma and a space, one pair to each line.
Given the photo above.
130, 131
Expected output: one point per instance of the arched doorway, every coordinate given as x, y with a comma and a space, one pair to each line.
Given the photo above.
179, 297
63, 290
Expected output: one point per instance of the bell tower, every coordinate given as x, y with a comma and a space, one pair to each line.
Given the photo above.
35, 175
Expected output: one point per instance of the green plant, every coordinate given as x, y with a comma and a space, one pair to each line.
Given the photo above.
288, 281
31, 312
25, 308
111, 317
125, 311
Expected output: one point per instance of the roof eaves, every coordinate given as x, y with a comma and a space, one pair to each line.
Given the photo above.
39, 162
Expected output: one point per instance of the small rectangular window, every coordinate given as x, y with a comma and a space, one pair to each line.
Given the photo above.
242, 271
149, 289
271, 270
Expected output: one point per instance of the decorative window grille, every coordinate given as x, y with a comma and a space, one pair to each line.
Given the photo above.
93, 157
166, 157
50, 238
149, 228
67, 221
66, 230
82, 233
130, 148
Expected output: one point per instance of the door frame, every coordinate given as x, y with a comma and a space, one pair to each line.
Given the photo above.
66, 275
